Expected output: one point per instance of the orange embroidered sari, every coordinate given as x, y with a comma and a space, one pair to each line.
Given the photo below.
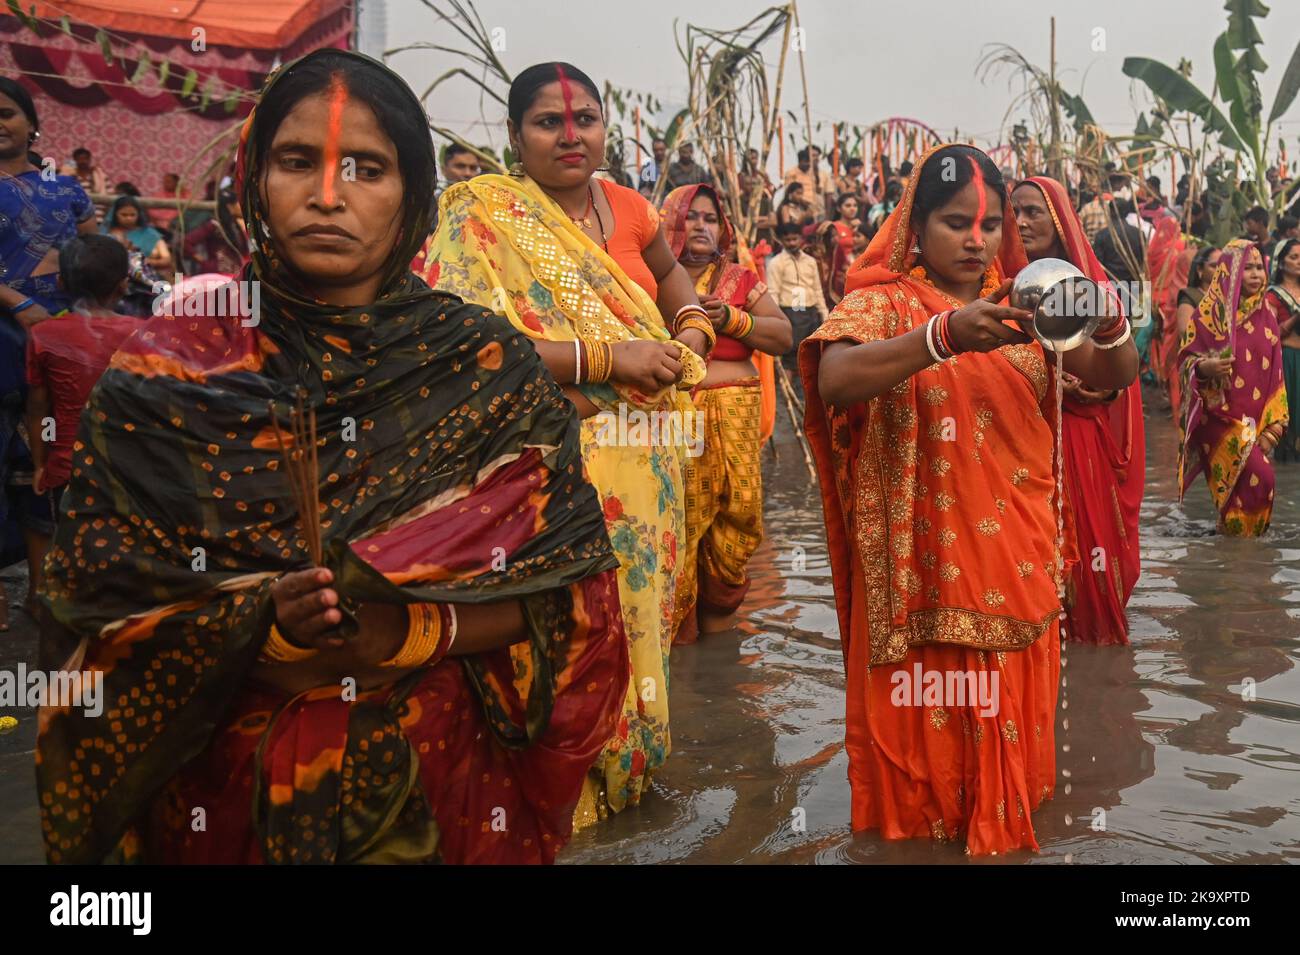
942, 536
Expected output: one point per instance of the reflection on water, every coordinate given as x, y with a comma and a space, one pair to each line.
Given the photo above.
1166, 761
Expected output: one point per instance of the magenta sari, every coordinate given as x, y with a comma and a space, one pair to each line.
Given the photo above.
1222, 424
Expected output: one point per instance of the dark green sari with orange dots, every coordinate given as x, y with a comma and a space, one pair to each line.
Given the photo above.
449, 471
463, 445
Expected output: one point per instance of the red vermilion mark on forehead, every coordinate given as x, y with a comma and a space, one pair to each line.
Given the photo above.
333, 132
567, 91
983, 201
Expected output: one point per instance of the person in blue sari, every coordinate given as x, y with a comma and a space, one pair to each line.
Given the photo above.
39, 213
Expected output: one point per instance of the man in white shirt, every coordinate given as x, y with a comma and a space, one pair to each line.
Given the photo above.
653, 168
796, 283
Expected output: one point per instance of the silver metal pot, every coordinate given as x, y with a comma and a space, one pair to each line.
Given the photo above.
1067, 306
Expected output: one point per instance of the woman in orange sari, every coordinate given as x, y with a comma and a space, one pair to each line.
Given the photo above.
937, 485
724, 482
1103, 439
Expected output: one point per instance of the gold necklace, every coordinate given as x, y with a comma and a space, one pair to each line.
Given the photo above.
584, 221
989, 286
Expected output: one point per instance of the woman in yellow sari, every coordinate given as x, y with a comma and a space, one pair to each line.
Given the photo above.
724, 485
581, 266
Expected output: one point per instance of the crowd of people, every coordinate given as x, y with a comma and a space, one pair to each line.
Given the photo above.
368, 579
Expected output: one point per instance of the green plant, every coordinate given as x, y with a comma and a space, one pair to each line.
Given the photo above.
1237, 67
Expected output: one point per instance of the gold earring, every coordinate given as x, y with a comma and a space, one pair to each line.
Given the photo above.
516, 168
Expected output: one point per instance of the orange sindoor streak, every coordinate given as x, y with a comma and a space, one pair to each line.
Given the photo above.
333, 132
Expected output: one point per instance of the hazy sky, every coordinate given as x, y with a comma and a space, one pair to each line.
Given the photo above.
866, 60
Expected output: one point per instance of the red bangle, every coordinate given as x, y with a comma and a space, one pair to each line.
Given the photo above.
1114, 330
946, 338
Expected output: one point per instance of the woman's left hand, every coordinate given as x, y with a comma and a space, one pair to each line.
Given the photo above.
1082, 393
1269, 438
695, 340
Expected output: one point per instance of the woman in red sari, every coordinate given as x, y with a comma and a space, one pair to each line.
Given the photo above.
937, 486
1103, 437
844, 227
1168, 264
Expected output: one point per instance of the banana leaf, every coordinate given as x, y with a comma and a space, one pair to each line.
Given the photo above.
1182, 94
1286, 92
1228, 81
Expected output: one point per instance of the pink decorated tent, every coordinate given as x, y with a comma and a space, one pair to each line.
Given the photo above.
138, 124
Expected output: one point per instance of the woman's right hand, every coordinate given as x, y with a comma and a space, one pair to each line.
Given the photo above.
978, 325
1214, 369
715, 308
648, 367
306, 608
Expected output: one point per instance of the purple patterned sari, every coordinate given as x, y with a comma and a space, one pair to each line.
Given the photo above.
1222, 423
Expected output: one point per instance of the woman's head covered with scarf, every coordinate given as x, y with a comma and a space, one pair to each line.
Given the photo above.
320, 151
938, 180
1234, 294
677, 228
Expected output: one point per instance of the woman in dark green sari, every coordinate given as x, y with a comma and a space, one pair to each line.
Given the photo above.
1284, 298
434, 681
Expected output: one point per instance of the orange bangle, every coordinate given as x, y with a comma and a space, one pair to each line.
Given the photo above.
277, 649
429, 635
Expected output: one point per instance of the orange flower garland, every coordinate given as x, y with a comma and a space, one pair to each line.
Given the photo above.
991, 283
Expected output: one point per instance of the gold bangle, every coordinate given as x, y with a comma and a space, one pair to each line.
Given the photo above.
687, 314
702, 324
423, 633
277, 649
604, 361
598, 360
686, 310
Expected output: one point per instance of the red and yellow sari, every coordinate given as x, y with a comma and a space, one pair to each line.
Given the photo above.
942, 540
1105, 462
724, 484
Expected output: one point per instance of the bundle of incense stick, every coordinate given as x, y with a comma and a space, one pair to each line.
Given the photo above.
302, 471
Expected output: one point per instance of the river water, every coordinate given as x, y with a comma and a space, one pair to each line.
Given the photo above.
1167, 763
1168, 760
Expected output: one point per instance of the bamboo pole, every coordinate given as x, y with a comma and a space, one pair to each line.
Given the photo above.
637, 115
1054, 161
780, 141
777, 123
807, 110
179, 203
790, 402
